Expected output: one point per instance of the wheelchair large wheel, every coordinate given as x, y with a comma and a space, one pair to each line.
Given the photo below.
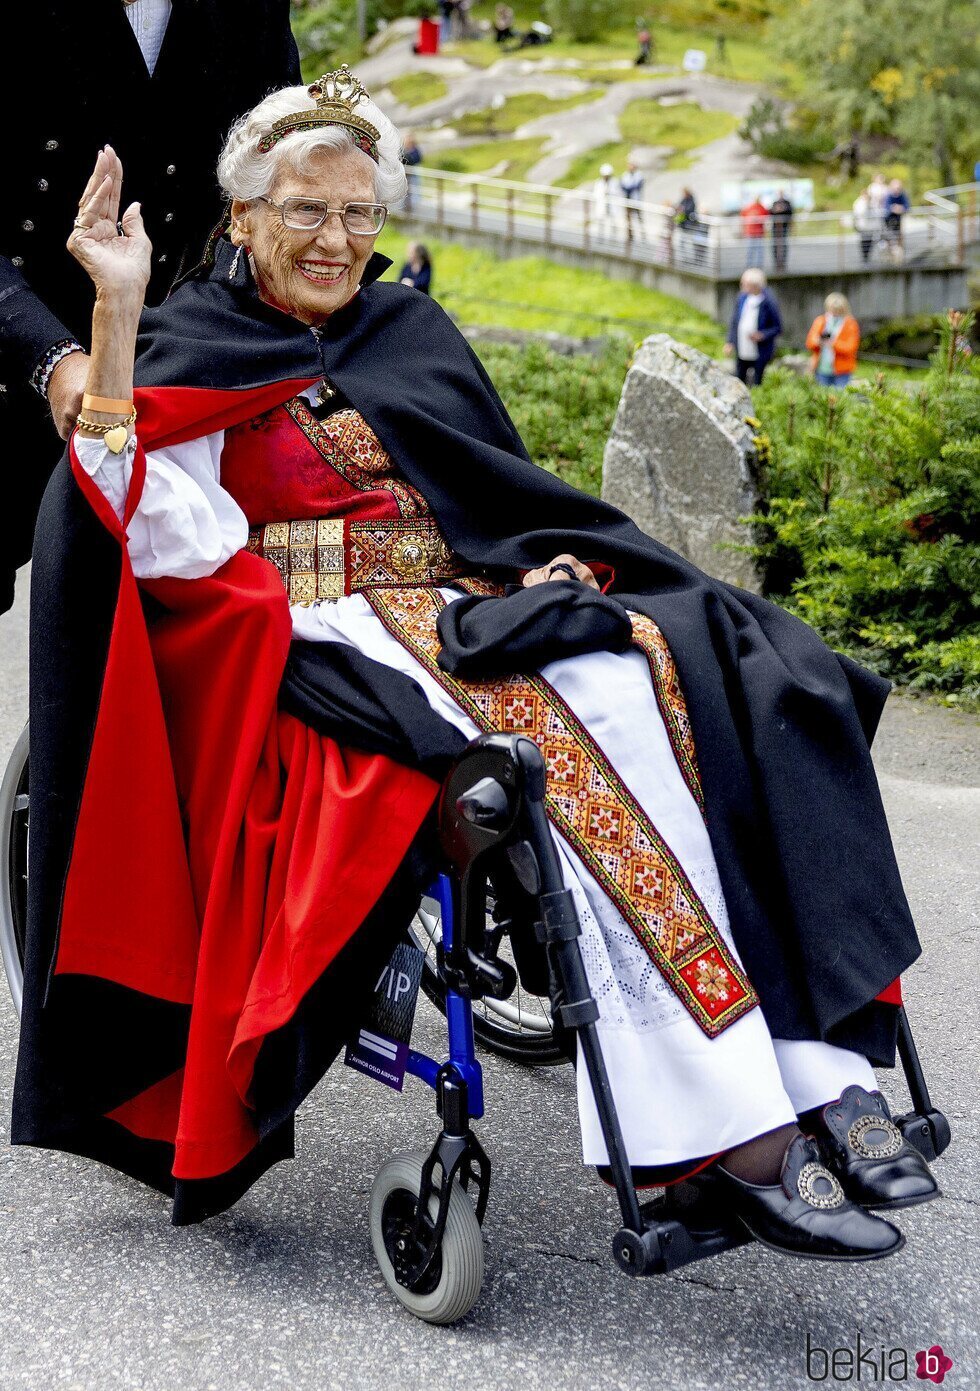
518, 1028
453, 1284
14, 809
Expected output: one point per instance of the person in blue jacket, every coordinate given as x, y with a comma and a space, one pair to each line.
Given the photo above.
755, 326
417, 270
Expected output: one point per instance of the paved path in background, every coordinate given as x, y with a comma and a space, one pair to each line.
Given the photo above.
582, 128
99, 1293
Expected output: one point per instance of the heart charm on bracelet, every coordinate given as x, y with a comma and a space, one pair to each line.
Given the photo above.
115, 439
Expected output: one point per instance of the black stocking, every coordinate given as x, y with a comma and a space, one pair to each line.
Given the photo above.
760, 1160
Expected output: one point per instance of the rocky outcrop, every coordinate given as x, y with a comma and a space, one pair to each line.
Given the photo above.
680, 459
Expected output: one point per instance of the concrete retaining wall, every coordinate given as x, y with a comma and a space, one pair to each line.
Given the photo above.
886, 292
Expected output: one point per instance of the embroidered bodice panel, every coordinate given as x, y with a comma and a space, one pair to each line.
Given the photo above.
288, 464
326, 505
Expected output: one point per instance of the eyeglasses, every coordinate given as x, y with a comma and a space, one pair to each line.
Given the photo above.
308, 214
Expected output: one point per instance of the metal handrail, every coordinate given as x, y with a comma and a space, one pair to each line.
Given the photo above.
549, 192
648, 231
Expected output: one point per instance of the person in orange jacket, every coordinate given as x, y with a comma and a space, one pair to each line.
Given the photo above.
833, 339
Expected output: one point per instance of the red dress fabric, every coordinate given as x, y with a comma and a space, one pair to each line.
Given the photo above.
224, 853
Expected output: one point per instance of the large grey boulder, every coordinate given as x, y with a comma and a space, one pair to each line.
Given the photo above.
680, 459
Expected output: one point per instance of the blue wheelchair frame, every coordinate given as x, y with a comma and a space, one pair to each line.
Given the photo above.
462, 1058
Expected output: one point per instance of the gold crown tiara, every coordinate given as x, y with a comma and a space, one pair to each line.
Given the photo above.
336, 95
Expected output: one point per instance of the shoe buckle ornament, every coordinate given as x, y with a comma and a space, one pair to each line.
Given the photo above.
819, 1187
858, 1137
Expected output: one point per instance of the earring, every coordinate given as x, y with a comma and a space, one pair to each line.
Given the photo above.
236, 262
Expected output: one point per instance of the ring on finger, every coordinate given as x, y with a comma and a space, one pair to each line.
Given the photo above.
80, 225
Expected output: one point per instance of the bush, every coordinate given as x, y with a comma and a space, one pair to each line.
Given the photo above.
871, 526
766, 131
584, 21
796, 146
326, 30
764, 117
913, 337
562, 406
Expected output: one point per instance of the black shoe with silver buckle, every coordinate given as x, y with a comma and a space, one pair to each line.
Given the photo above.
807, 1212
876, 1165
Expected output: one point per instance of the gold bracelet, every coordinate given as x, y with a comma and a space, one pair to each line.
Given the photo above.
114, 436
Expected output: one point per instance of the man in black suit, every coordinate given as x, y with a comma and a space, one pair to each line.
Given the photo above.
161, 81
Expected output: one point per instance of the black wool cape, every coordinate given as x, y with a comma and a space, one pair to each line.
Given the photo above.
782, 724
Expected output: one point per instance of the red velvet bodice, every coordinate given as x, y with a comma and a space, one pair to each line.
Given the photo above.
288, 464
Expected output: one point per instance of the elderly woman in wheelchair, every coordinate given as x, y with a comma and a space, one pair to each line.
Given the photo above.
295, 574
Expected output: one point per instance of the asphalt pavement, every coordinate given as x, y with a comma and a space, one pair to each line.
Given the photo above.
99, 1292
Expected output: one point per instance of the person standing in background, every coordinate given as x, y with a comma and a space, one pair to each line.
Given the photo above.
159, 82
755, 325
417, 270
631, 186
754, 217
411, 158
605, 192
834, 339
896, 206
781, 215
867, 224
445, 8
878, 201
644, 39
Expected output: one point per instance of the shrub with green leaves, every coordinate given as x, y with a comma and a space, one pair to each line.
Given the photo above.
584, 21
871, 526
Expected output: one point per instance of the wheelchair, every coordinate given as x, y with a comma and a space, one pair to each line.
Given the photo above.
502, 884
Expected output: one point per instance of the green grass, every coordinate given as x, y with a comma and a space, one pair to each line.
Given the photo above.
683, 128
418, 88
516, 156
585, 167
747, 57
608, 75
517, 111
477, 287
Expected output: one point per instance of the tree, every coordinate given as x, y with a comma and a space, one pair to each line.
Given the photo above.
905, 68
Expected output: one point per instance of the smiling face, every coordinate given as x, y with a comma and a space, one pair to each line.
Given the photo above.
309, 274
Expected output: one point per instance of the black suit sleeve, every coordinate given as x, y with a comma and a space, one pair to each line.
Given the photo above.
283, 53
27, 327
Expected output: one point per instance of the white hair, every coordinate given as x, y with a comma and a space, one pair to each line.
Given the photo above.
246, 174
754, 276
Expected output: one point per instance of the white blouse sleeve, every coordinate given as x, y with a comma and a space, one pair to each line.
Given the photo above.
186, 525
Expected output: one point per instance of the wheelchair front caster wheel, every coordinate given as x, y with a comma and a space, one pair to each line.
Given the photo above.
452, 1285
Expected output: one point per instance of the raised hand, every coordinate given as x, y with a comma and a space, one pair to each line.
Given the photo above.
118, 262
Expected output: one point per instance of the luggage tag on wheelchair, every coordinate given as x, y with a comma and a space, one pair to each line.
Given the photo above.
381, 1047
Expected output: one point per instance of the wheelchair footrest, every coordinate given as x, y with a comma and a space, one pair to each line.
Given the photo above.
928, 1132
678, 1228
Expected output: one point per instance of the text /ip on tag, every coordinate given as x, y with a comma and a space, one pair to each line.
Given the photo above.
382, 1044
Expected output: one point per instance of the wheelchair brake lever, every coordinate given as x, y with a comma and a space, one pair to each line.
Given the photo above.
497, 978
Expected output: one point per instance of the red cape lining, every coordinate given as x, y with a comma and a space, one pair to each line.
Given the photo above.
224, 853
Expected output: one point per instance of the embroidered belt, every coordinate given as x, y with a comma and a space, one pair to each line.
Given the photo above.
590, 805
327, 558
